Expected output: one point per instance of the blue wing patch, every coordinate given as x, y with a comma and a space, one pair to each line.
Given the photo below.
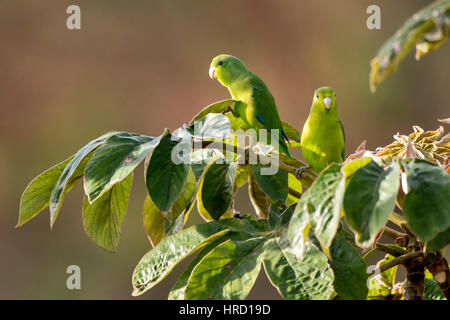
259, 118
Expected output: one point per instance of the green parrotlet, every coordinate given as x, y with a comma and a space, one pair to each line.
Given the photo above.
256, 106
323, 138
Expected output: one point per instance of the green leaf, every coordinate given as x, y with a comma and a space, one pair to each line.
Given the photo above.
102, 219
212, 126
178, 290
185, 199
275, 185
115, 160
310, 279
280, 215
298, 230
369, 200
154, 222
72, 173
349, 168
217, 188
427, 30
322, 204
156, 264
165, 178
226, 272
427, 204
215, 107
36, 196
157, 224
290, 132
440, 241
350, 270
432, 291
199, 160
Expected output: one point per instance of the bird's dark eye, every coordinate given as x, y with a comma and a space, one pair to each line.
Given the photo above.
220, 63
317, 96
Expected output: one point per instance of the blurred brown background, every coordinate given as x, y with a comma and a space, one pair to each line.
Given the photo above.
141, 66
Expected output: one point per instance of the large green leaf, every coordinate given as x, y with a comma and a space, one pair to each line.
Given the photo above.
185, 199
215, 107
158, 225
350, 270
212, 126
275, 186
370, 199
72, 173
179, 288
310, 279
102, 219
165, 178
320, 207
154, 222
115, 160
226, 272
156, 264
427, 30
199, 160
217, 188
440, 241
427, 204
36, 196
240, 230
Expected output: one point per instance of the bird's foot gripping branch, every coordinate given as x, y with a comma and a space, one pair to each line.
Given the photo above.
312, 233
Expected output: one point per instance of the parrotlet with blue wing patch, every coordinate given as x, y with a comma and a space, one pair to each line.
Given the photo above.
256, 105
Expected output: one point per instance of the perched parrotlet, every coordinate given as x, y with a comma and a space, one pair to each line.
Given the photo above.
256, 105
323, 138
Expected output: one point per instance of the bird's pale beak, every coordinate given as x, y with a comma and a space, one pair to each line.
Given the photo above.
327, 103
212, 72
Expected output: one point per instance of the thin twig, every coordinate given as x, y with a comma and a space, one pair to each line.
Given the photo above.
295, 193
391, 249
395, 262
386, 248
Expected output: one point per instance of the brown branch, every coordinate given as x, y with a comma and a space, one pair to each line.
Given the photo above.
438, 267
397, 261
295, 193
415, 273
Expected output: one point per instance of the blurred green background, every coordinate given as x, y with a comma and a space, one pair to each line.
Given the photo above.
141, 66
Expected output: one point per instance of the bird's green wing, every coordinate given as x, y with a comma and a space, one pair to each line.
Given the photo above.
264, 104
343, 135
266, 111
